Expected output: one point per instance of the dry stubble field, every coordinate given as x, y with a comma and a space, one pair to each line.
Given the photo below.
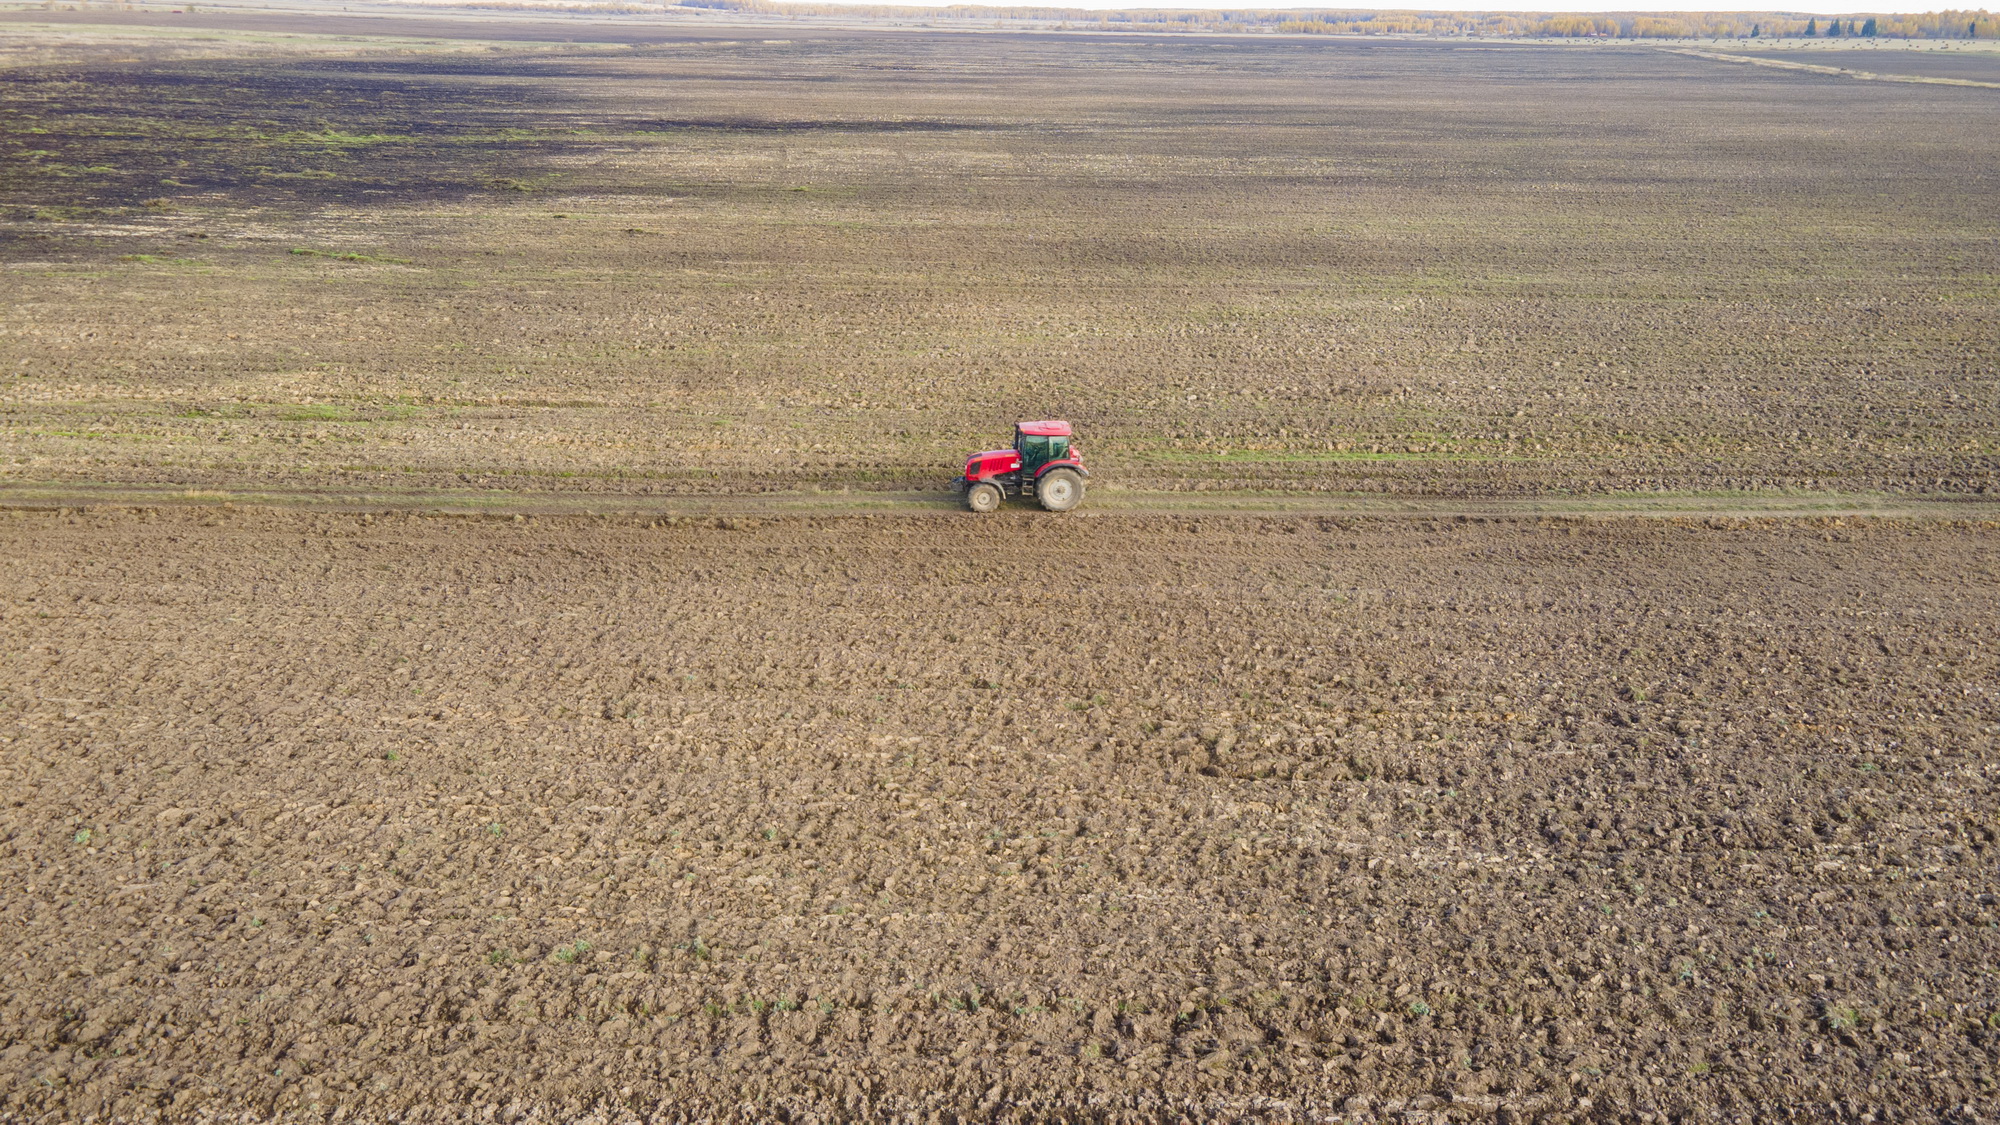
1115, 817
798, 258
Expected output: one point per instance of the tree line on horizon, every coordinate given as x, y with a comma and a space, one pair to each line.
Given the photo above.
1705, 25
1950, 24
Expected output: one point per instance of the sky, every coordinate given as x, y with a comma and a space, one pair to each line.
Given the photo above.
1552, 6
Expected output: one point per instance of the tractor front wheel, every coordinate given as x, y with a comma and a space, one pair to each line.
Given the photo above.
983, 497
1060, 490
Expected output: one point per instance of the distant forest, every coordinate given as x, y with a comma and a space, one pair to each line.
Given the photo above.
1611, 25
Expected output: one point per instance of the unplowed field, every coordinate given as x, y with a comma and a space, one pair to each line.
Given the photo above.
797, 257
335, 817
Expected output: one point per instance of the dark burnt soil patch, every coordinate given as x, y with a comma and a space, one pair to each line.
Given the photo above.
395, 818
78, 141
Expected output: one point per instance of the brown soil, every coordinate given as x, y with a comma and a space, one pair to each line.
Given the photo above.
809, 258
335, 817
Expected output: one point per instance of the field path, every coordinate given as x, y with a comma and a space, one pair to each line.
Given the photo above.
1841, 71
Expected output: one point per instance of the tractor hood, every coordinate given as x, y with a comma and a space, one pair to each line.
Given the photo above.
992, 461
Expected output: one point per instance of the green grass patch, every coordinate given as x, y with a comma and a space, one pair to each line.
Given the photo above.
122, 435
332, 138
345, 256
316, 412
1259, 456
303, 412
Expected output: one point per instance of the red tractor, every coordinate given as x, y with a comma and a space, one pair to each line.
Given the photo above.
1042, 464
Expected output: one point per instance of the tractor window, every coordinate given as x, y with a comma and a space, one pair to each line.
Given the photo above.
1034, 450
1058, 448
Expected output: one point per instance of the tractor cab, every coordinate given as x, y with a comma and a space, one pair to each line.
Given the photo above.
1042, 463
1039, 443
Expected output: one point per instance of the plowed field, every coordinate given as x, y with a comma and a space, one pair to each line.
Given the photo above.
331, 817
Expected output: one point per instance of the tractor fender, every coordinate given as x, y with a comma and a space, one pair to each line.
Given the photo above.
1079, 469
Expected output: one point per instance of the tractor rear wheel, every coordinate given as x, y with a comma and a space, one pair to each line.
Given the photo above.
983, 498
1060, 490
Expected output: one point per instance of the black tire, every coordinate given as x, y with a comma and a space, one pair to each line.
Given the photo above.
1060, 490
982, 497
